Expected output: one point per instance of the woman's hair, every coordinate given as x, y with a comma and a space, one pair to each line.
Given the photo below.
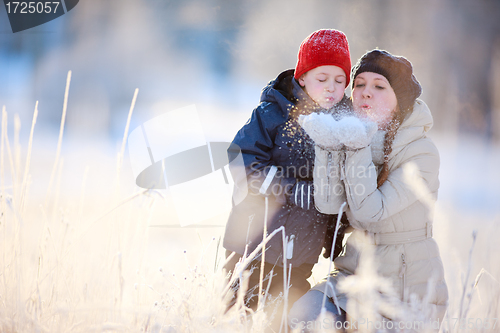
392, 129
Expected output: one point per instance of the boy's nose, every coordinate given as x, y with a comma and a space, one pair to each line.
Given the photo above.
330, 86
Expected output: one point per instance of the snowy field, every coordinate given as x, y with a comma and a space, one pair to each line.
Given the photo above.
85, 251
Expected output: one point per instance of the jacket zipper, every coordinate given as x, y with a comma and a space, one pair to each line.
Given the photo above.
342, 164
402, 275
328, 170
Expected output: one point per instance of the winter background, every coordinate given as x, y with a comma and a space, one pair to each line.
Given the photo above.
85, 248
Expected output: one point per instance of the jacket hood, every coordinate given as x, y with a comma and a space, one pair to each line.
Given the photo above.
420, 117
415, 126
283, 90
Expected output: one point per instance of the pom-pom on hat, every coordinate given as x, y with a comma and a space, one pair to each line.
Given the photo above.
397, 70
324, 47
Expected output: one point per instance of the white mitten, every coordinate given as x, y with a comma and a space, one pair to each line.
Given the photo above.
355, 133
322, 128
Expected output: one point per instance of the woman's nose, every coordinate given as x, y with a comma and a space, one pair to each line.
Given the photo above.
366, 93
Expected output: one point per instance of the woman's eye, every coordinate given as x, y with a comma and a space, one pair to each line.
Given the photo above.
358, 85
322, 80
379, 87
339, 82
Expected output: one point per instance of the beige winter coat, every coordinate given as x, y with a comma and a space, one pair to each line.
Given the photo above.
397, 216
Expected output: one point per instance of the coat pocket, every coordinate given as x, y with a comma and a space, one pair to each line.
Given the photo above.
329, 193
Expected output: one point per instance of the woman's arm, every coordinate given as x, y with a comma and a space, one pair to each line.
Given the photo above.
371, 204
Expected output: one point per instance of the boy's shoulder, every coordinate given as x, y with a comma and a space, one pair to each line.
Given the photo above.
271, 114
269, 107
278, 93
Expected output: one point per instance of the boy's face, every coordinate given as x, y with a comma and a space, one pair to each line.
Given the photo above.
374, 98
325, 85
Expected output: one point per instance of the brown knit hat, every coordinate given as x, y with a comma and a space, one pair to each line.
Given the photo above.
324, 47
397, 70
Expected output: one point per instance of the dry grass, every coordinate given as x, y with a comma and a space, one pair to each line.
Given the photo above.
84, 257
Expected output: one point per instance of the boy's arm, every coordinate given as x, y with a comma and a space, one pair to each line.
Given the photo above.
255, 141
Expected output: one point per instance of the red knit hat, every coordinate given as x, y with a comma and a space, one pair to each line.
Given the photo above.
324, 47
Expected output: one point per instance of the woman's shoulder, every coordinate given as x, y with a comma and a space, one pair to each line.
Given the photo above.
423, 153
412, 134
419, 119
423, 146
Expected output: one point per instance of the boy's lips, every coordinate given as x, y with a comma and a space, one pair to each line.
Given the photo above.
365, 106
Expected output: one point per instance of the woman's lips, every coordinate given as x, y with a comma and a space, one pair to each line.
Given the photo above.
365, 106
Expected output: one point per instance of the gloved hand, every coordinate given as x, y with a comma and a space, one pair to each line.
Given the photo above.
321, 127
330, 232
302, 195
355, 133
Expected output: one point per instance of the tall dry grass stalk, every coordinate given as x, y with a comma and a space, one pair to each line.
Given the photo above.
61, 132
24, 188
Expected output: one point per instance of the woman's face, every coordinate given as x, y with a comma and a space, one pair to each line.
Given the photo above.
374, 98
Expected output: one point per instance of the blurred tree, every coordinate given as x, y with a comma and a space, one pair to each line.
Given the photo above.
115, 46
495, 91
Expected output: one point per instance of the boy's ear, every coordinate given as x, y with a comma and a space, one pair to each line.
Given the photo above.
301, 80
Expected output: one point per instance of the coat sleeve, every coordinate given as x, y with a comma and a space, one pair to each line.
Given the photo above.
414, 178
255, 141
329, 194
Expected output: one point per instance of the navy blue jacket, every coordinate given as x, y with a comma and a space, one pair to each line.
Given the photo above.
273, 137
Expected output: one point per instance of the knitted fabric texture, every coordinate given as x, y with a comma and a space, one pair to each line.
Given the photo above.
321, 48
331, 134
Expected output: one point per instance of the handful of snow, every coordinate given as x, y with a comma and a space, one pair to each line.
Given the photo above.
331, 134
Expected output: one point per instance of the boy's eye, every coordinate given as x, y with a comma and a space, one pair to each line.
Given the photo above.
322, 80
358, 85
379, 87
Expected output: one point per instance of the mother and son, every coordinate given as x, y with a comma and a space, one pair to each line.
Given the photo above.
305, 123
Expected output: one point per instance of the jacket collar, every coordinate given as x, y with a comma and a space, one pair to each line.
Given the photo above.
414, 126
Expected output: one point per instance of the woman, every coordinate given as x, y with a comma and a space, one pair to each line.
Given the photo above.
387, 209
